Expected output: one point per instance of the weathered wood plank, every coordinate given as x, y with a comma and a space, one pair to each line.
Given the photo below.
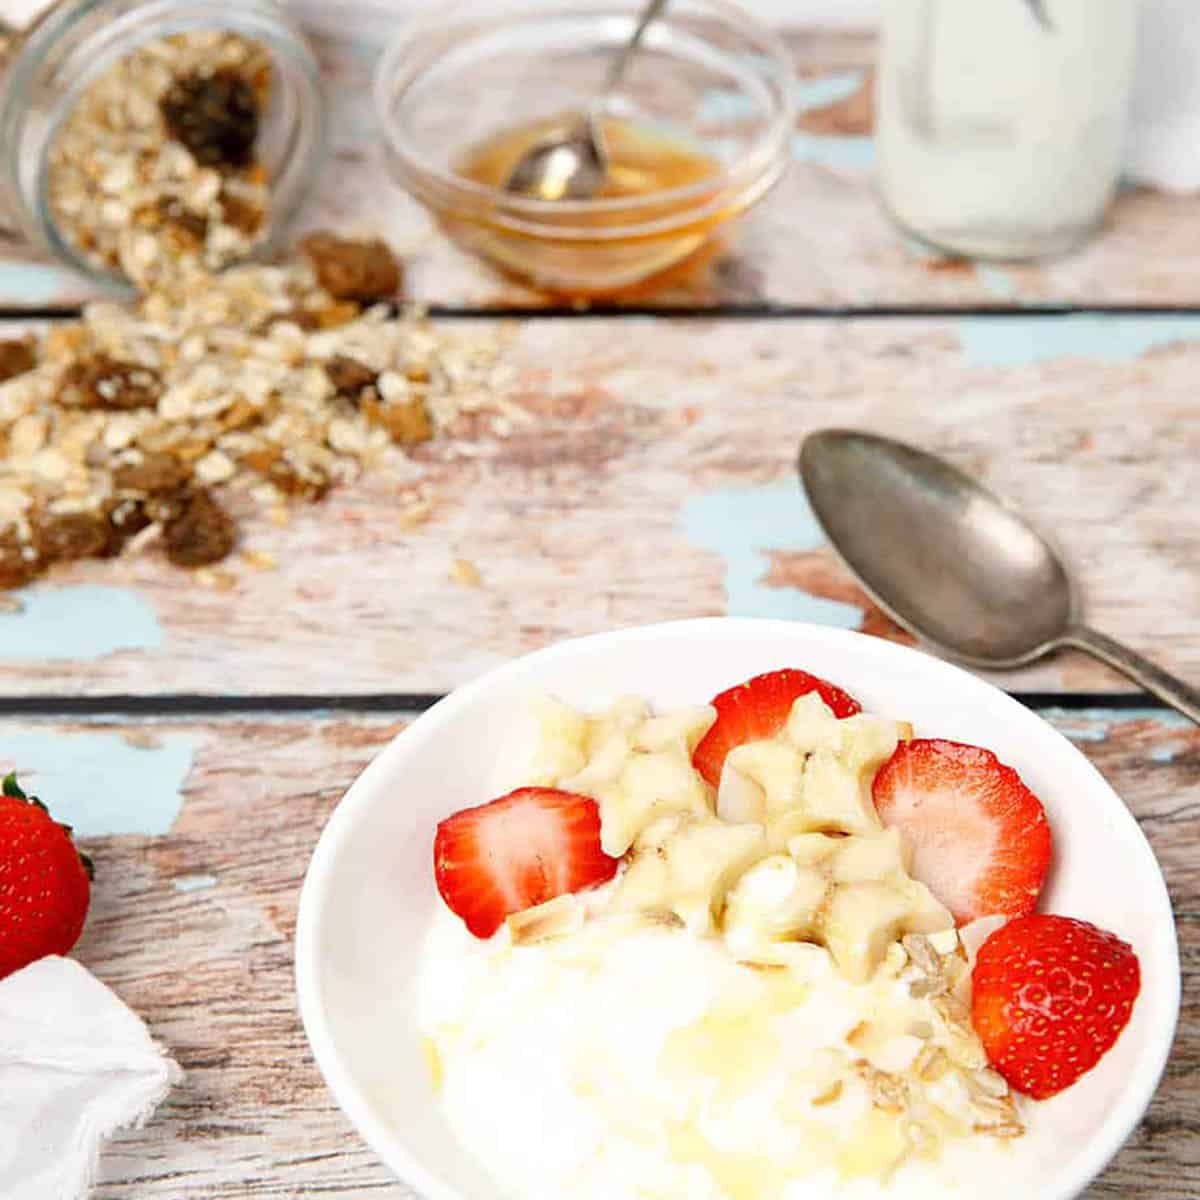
820, 239
655, 481
194, 929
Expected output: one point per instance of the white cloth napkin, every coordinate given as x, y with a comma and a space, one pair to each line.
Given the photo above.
76, 1065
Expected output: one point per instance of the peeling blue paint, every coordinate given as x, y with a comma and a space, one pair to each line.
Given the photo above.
724, 105
1105, 718
996, 281
100, 784
84, 622
720, 105
810, 94
917, 249
1020, 341
726, 150
742, 524
35, 284
1163, 754
1087, 735
853, 153
194, 883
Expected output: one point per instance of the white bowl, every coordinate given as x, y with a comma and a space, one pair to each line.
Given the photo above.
369, 893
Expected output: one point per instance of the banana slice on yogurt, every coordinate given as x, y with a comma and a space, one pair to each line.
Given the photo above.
853, 895
685, 864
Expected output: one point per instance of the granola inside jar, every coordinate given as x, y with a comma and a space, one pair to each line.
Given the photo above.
148, 136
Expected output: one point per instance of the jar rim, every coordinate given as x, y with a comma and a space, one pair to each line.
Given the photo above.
407, 59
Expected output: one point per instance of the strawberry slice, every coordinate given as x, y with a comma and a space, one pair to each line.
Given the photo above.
759, 709
979, 836
1050, 997
518, 851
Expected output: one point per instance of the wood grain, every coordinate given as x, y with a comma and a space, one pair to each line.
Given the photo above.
211, 972
821, 238
655, 480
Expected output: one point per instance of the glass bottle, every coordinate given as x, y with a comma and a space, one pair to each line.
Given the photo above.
1000, 122
48, 66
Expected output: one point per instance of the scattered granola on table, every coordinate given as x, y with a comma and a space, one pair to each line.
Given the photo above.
156, 165
160, 422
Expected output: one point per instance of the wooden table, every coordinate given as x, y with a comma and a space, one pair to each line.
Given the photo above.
199, 742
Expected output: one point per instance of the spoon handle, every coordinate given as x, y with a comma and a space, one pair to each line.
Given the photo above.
1153, 678
616, 72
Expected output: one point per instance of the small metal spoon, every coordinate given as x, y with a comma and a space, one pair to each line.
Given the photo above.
954, 564
573, 163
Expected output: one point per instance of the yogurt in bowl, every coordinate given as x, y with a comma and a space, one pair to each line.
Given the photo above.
758, 998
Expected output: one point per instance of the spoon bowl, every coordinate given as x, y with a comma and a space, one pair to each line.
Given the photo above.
952, 562
574, 165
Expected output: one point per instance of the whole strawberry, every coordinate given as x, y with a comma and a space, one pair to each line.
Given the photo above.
44, 882
1050, 997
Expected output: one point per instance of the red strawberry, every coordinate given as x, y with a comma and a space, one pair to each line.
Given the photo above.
759, 709
1050, 998
979, 836
44, 882
518, 851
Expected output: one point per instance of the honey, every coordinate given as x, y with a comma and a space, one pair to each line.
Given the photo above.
583, 251
641, 161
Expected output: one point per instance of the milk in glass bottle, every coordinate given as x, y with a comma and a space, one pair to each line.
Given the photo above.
1000, 122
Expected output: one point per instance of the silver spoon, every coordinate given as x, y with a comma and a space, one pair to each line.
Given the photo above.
573, 163
953, 563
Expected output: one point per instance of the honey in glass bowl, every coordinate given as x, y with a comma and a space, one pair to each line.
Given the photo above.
641, 162
461, 97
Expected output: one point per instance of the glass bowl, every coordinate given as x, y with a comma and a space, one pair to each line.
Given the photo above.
709, 79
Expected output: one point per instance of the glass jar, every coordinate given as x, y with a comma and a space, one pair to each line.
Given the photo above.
1001, 123
45, 70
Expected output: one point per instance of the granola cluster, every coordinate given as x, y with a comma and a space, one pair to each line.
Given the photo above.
156, 164
146, 423
948, 1079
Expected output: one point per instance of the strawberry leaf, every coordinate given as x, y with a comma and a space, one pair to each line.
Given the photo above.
11, 788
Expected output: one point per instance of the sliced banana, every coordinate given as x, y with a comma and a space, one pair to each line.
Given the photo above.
814, 777
739, 798
879, 856
777, 769
843, 881
649, 786
837, 797
863, 920
859, 929
811, 849
685, 864
868, 742
811, 725
623, 717
681, 730
776, 900
561, 739
875, 902
556, 918
639, 767
604, 764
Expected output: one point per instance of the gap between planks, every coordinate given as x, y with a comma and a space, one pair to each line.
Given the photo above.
183, 704
729, 312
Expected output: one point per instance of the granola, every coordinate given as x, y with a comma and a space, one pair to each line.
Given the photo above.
165, 420
156, 167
